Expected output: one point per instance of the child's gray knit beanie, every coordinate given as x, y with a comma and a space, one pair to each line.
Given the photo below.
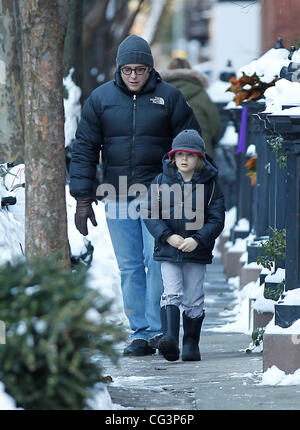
188, 141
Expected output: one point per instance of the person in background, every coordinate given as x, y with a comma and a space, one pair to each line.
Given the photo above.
132, 120
192, 84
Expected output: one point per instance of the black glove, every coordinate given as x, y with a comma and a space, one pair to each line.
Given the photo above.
84, 211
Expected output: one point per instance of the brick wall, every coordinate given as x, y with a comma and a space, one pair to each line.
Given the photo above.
280, 18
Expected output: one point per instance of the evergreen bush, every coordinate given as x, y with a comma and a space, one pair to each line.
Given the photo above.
273, 249
56, 329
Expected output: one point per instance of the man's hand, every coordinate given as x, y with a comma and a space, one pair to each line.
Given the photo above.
84, 211
175, 240
188, 245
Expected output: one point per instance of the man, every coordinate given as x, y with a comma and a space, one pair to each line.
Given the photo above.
132, 120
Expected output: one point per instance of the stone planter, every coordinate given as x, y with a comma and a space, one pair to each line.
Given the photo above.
232, 266
249, 273
261, 319
282, 351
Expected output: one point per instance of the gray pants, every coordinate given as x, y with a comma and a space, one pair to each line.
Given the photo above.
183, 286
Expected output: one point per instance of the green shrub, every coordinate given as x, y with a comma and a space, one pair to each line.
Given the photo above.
276, 147
275, 292
273, 249
55, 326
257, 339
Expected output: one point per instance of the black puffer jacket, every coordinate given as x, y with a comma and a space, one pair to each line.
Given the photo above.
133, 131
214, 214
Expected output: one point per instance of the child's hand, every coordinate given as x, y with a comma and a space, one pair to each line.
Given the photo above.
175, 240
188, 245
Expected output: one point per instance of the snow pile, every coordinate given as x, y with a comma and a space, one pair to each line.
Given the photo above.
217, 92
251, 151
13, 184
240, 313
230, 219
7, 403
242, 225
275, 376
72, 107
272, 328
101, 399
239, 245
104, 274
262, 304
276, 277
291, 297
12, 219
283, 93
268, 66
2, 73
230, 137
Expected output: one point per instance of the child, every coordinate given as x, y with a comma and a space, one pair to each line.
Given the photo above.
184, 252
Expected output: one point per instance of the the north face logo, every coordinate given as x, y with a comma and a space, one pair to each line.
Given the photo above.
158, 100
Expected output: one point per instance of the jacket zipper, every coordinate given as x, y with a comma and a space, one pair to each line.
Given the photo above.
179, 253
133, 138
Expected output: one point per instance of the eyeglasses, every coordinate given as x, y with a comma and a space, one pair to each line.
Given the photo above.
137, 70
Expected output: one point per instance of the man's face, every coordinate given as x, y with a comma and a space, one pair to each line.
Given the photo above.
135, 79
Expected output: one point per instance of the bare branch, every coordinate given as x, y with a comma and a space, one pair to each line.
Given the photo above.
92, 21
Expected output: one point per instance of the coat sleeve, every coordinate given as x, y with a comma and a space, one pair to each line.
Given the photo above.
214, 220
151, 213
85, 152
182, 115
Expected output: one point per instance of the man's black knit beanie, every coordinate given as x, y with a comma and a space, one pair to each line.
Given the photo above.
134, 50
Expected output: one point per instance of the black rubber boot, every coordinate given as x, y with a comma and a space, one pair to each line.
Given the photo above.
191, 337
168, 345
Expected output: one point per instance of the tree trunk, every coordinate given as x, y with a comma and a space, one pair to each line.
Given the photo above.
11, 97
43, 24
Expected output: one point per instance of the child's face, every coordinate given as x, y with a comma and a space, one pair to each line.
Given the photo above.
186, 162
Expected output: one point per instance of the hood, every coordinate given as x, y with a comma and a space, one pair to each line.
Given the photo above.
208, 172
190, 75
150, 85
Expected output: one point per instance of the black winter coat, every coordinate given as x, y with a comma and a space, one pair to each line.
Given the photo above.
133, 131
214, 214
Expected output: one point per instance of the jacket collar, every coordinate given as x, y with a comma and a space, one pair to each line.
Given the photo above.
149, 86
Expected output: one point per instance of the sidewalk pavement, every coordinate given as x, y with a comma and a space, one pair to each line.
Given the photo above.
226, 379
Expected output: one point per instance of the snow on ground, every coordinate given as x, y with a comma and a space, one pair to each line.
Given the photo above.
101, 400
275, 376
7, 403
239, 315
104, 274
12, 220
